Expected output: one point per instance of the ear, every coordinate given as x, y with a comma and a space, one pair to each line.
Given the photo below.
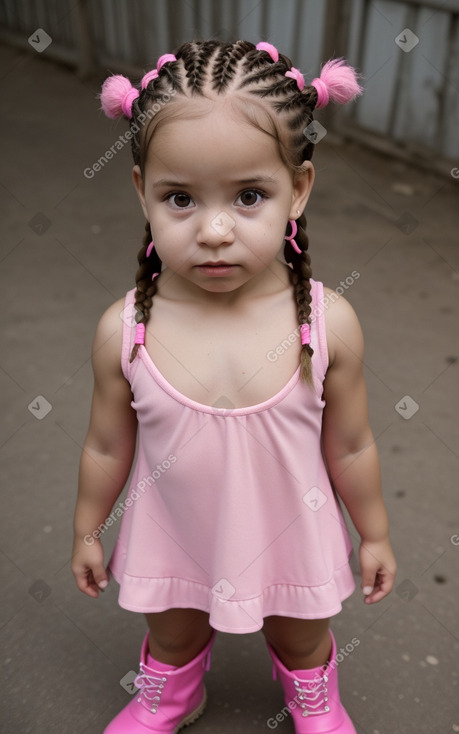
139, 187
302, 186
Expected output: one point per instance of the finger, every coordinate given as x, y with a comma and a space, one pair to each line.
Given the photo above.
91, 591
85, 583
100, 577
383, 586
375, 596
368, 581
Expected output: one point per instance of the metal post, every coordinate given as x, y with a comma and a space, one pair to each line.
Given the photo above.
335, 44
86, 63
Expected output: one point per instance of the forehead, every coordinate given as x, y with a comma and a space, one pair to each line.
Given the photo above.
209, 133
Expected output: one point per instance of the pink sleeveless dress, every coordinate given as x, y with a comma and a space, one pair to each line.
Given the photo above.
231, 511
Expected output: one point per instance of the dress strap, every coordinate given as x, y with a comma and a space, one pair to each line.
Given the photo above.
318, 331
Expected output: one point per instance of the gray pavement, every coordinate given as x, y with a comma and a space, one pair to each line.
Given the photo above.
68, 249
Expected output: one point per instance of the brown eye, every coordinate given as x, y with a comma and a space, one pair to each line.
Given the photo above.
250, 198
181, 201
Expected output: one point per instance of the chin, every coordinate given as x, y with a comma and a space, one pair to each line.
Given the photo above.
220, 287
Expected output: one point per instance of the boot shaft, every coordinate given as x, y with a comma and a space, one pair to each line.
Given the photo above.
312, 696
167, 700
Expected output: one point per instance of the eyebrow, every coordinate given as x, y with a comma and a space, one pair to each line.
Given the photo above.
257, 179
163, 182
167, 182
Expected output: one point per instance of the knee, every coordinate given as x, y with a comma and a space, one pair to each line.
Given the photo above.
177, 633
287, 648
295, 638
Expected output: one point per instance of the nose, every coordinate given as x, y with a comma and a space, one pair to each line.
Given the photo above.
217, 228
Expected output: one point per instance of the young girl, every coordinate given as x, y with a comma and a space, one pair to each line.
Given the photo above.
244, 379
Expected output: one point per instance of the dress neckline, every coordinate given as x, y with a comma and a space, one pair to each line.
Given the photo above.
146, 358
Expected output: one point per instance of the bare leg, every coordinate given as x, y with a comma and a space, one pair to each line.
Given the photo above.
178, 635
299, 643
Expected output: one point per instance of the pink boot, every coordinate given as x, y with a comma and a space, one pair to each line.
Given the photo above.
167, 700
312, 697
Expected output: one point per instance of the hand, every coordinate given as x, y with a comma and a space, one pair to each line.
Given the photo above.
88, 567
378, 568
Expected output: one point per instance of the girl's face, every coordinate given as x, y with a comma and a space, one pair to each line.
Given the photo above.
218, 198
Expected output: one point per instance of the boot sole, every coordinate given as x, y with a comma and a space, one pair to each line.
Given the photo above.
191, 718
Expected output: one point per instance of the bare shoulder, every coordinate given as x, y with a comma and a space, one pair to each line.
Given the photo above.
107, 344
344, 333
112, 427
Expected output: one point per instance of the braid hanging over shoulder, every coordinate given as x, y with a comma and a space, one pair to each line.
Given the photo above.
300, 277
149, 265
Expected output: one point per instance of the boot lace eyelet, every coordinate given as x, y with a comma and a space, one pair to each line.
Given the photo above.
313, 696
151, 688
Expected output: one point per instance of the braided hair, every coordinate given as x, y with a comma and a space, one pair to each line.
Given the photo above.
276, 88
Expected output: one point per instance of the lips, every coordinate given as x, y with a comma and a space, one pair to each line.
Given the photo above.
219, 264
217, 269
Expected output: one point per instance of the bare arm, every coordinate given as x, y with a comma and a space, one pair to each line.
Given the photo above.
350, 449
107, 453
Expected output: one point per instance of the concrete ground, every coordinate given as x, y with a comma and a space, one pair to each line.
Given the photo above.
68, 249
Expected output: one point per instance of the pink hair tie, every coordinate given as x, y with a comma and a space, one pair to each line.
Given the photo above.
149, 76
164, 59
290, 238
337, 83
128, 99
117, 96
298, 76
149, 249
270, 49
140, 334
154, 73
305, 334
155, 275
323, 97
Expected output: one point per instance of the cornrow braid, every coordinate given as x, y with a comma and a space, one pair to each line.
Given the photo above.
258, 74
226, 61
195, 57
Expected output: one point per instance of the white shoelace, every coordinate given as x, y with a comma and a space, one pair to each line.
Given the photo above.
151, 688
314, 696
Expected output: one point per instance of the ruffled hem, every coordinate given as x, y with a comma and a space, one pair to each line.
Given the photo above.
226, 614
